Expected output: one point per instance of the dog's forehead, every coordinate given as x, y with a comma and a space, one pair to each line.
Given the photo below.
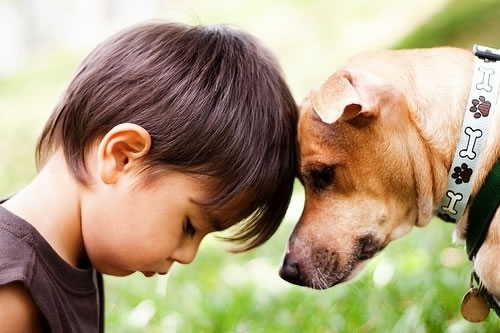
327, 143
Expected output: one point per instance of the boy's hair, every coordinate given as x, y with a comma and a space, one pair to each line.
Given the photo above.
212, 99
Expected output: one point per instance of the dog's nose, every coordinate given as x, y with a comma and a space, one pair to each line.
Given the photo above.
290, 270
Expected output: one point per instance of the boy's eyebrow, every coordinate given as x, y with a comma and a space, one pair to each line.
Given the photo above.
213, 220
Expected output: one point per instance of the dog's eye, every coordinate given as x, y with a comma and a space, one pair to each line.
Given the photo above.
323, 177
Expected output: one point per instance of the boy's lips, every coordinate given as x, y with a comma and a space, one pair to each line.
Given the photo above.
151, 273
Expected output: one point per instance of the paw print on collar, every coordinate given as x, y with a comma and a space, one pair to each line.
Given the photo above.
462, 174
480, 107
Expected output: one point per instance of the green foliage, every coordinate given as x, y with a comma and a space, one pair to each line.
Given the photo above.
461, 23
26, 99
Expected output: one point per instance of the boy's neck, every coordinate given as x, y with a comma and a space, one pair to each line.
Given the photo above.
51, 203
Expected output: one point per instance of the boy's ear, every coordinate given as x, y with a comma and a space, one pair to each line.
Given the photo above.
120, 150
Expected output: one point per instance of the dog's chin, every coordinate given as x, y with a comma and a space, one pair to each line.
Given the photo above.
321, 280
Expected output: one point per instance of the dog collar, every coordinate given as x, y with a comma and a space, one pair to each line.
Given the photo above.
479, 110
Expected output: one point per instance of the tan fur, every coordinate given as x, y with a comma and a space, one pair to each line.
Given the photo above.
389, 122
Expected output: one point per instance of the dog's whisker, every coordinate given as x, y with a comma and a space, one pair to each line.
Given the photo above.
325, 281
317, 278
321, 278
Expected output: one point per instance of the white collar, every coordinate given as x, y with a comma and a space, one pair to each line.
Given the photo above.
479, 110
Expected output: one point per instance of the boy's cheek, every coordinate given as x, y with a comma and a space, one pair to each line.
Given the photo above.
107, 264
102, 249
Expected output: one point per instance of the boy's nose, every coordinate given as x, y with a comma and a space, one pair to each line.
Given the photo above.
186, 253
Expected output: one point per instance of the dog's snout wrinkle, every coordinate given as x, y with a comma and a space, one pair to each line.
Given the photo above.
368, 246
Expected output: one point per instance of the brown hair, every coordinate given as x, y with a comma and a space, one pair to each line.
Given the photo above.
212, 99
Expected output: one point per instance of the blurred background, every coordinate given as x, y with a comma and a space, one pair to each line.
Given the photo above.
415, 285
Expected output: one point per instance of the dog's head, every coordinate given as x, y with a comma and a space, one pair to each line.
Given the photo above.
355, 143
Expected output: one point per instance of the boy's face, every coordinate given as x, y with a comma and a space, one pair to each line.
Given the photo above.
128, 228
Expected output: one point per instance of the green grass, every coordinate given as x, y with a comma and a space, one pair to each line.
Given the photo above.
242, 293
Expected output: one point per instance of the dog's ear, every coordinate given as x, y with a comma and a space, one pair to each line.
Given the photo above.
346, 95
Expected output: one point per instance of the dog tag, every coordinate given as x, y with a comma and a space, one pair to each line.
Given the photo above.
474, 307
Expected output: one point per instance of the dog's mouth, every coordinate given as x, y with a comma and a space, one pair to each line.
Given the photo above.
325, 268
326, 277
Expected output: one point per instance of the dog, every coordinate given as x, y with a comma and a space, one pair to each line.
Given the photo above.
375, 143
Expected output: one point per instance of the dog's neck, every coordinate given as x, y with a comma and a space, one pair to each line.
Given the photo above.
438, 112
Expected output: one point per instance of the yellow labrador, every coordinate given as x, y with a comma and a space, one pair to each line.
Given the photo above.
376, 142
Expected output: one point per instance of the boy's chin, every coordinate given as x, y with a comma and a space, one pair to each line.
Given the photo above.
114, 271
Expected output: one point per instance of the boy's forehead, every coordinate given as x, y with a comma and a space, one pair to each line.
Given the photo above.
220, 214
221, 218
226, 215
213, 219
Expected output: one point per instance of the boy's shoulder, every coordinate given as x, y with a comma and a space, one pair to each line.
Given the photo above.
27, 259
16, 248
19, 312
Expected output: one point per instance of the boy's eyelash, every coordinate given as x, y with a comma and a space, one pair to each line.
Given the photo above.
189, 228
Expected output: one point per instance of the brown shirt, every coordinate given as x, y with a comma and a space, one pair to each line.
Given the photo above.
71, 299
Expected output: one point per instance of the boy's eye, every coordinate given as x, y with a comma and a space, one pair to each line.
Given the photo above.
188, 227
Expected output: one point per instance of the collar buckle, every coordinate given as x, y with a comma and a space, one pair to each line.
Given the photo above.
485, 53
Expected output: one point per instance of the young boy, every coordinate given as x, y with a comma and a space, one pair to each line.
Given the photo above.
166, 133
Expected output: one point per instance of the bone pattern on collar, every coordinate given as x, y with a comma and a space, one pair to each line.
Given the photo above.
479, 110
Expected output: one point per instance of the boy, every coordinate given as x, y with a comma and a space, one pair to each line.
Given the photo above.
165, 133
